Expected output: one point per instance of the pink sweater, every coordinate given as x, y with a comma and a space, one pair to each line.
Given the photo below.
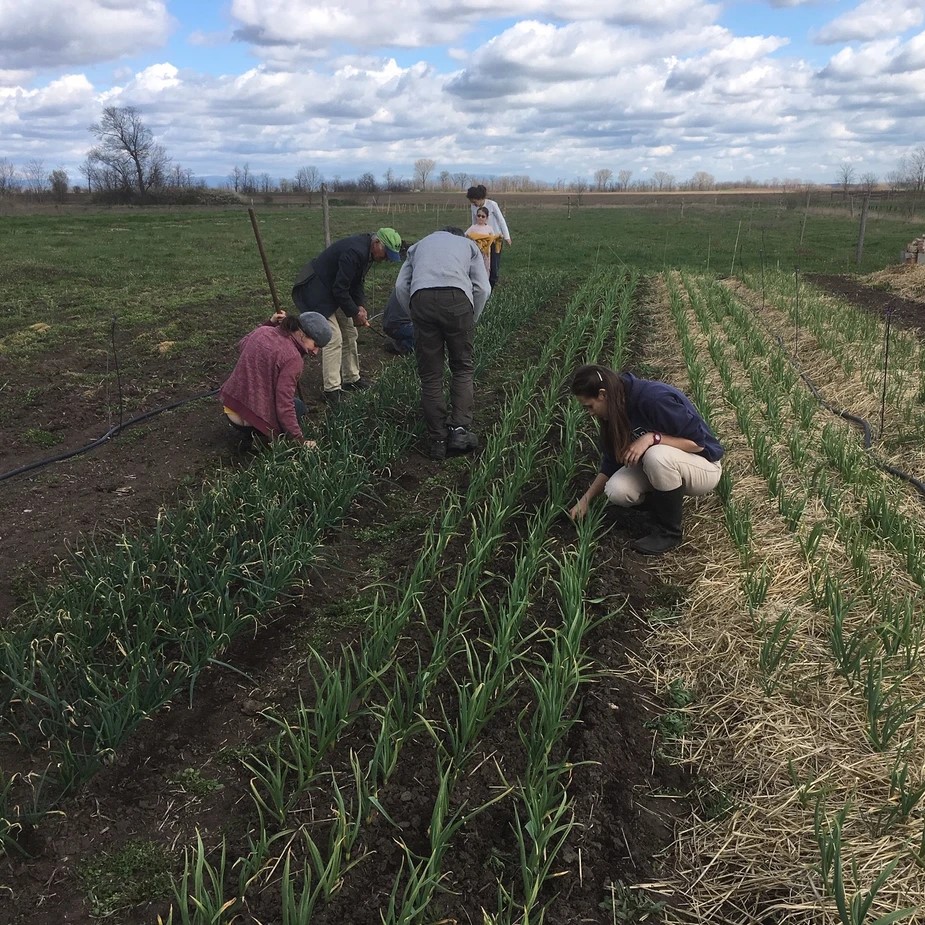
262, 387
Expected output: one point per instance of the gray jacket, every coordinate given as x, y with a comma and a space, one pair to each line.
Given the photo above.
444, 259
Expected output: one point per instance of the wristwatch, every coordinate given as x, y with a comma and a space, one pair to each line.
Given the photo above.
656, 438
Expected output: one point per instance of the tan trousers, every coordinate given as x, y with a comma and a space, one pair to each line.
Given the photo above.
340, 361
663, 468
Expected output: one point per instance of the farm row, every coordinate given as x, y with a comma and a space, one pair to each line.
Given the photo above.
449, 753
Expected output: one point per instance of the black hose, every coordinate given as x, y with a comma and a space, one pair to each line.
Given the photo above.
115, 429
917, 484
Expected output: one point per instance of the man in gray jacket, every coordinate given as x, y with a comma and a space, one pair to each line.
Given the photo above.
444, 284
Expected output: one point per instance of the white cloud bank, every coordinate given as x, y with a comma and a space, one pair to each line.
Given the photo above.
554, 90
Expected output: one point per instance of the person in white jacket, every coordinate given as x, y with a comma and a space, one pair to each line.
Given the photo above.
444, 285
478, 198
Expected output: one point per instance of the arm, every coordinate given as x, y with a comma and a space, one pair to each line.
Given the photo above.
595, 489
285, 399
501, 224
403, 283
637, 449
348, 283
481, 288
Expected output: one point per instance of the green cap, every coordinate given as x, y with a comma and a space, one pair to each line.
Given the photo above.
391, 241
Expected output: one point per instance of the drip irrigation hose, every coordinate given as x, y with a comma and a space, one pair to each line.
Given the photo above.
860, 422
115, 429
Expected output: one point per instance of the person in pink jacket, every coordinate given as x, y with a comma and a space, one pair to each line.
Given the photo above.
259, 397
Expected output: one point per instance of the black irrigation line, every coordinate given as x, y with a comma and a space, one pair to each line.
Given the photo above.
114, 429
917, 484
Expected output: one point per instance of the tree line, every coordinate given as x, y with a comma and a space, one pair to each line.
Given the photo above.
127, 164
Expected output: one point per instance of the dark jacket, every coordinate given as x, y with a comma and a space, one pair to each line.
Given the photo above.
653, 406
334, 279
395, 315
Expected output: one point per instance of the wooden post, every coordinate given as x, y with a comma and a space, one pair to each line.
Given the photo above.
863, 229
325, 215
805, 214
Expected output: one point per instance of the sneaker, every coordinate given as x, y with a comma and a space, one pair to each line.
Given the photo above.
436, 449
334, 397
357, 386
461, 440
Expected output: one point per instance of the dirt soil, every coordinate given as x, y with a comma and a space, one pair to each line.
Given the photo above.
899, 289
629, 797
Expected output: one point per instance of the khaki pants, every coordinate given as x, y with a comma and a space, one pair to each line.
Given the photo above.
340, 361
663, 468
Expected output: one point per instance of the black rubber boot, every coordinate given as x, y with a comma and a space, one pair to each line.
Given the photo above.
666, 508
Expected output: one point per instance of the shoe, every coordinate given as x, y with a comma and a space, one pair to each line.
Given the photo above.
666, 508
357, 386
436, 449
461, 440
334, 397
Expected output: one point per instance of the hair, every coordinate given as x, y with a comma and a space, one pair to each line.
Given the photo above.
290, 324
587, 381
477, 192
452, 229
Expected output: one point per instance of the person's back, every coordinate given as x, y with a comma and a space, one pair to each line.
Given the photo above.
445, 284
445, 260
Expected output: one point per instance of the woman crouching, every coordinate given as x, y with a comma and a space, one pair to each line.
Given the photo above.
656, 448
259, 397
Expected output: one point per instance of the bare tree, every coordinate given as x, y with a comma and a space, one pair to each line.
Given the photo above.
235, 178
423, 167
367, 183
127, 150
8, 182
664, 181
869, 182
58, 180
580, 186
308, 180
461, 179
36, 178
846, 177
702, 180
445, 179
624, 178
602, 178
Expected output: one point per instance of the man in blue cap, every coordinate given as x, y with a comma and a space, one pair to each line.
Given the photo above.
332, 285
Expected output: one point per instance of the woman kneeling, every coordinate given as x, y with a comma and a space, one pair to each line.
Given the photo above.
656, 448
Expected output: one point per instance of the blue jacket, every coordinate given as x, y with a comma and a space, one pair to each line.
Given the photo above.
656, 406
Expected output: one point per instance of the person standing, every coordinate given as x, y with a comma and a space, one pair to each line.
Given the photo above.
332, 285
259, 397
656, 448
486, 239
478, 198
444, 285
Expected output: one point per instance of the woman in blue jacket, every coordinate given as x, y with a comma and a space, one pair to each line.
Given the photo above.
656, 448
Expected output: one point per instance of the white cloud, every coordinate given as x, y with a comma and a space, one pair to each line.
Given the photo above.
66, 33
871, 19
558, 88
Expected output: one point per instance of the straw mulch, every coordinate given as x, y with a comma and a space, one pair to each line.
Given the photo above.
907, 280
773, 748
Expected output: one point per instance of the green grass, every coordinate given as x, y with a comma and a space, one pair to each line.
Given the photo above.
136, 873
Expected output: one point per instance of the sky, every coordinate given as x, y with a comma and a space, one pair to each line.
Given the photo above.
550, 89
